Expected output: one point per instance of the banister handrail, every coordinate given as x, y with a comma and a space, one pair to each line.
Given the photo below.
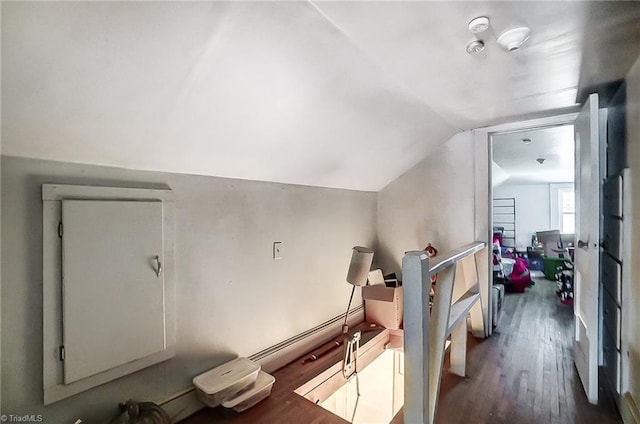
447, 259
426, 327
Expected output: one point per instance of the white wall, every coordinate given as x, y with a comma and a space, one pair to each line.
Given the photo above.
443, 201
532, 209
232, 298
433, 203
633, 304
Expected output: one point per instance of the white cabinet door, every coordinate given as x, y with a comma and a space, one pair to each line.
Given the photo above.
587, 253
113, 295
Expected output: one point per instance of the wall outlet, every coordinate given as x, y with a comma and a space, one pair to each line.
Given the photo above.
277, 249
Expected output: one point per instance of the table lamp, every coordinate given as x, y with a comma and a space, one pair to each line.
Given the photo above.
361, 260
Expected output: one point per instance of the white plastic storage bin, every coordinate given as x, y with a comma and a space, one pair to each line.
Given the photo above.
226, 381
258, 391
508, 266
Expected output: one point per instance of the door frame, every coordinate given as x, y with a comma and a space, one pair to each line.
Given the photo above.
483, 154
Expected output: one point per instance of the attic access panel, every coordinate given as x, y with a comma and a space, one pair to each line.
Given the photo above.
113, 287
62, 370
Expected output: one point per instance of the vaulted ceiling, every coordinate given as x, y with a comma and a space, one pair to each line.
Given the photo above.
334, 94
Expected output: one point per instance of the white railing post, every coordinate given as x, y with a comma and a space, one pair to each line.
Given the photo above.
438, 332
416, 285
426, 333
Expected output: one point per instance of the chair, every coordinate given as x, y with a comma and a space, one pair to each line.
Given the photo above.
551, 243
555, 254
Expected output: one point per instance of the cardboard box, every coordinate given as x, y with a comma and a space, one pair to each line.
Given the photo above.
383, 305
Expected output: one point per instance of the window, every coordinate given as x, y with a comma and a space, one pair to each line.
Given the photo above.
568, 211
562, 203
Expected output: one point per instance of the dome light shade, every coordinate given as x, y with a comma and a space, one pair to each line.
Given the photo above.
511, 40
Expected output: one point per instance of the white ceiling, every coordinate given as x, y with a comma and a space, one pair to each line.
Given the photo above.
517, 161
335, 94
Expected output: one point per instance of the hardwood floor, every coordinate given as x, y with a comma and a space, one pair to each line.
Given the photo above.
524, 373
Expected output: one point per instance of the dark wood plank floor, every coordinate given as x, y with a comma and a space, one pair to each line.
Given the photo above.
524, 373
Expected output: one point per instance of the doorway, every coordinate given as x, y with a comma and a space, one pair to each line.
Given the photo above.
484, 177
533, 208
562, 217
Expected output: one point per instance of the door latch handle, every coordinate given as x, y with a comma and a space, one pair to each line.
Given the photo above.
583, 244
159, 267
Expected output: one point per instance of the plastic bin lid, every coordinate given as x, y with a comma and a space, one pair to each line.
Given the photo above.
226, 375
263, 381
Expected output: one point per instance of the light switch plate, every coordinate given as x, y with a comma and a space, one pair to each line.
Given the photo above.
277, 249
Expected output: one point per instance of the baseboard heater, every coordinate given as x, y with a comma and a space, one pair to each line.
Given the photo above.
629, 410
185, 402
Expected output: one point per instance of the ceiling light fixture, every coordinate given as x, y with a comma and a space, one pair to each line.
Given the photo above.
475, 46
541, 160
479, 24
526, 140
511, 40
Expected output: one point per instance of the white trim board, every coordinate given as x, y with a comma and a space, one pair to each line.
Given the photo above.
626, 283
68, 192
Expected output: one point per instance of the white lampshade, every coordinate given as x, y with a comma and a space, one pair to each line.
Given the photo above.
361, 260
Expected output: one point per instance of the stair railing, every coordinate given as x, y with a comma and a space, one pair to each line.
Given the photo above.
427, 327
